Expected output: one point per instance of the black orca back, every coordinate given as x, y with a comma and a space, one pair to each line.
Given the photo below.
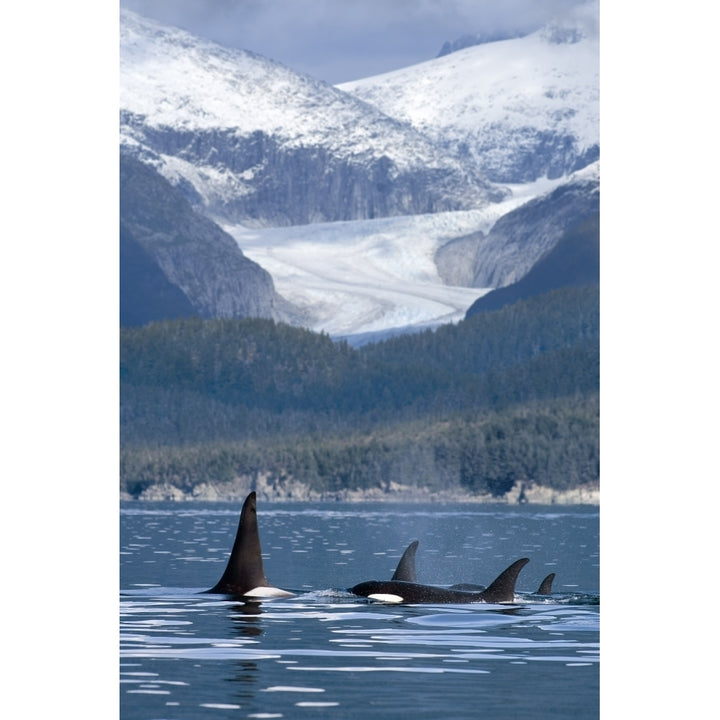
501, 590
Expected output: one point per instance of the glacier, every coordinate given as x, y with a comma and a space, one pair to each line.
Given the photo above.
365, 278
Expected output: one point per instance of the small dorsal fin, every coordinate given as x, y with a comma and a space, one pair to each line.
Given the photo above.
502, 589
406, 567
546, 585
244, 570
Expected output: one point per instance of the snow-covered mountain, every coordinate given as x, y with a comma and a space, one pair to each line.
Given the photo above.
175, 262
250, 140
521, 108
368, 203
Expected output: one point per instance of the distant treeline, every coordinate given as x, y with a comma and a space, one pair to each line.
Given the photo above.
503, 396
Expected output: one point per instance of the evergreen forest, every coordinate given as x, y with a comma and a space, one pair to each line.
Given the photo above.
505, 396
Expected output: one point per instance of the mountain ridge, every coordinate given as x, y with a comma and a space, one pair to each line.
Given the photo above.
251, 144
260, 143
520, 107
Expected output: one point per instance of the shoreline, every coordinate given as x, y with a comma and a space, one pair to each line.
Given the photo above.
294, 491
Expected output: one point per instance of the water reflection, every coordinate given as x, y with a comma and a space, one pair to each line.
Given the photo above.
245, 676
245, 623
245, 619
247, 612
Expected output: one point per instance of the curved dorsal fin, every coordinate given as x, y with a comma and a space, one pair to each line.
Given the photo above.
502, 589
406, 567
244, 570
546, 585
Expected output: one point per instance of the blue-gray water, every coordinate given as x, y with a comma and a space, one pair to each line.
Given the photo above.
324, 653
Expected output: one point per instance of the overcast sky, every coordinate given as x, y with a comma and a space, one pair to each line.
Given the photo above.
342, 40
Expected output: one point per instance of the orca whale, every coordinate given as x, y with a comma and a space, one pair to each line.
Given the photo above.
501, 590
406, 571
244, 575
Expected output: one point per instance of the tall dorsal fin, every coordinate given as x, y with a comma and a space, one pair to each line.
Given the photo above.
406, 567
244, 570
502, 588
546, 585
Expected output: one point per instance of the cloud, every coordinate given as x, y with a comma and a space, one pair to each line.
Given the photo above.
340, 40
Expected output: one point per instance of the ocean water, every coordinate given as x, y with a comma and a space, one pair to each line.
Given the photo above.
324, 653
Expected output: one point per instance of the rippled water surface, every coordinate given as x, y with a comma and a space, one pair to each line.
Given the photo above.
324, 652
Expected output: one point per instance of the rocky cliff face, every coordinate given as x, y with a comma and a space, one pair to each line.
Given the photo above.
455, 260
256, 179
574, 261
250, 141
271, 489
145, 293
179, 262
519, 239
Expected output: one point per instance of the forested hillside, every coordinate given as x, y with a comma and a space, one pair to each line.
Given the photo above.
503, 397
575, 260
